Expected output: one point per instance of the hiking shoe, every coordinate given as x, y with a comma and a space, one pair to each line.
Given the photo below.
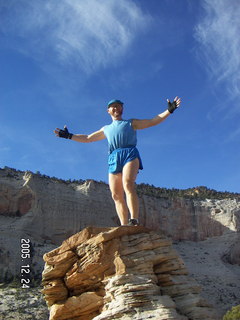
133, 222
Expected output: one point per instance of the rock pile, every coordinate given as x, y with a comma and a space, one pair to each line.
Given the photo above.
120, 273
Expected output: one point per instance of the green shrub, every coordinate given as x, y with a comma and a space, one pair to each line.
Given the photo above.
233, 314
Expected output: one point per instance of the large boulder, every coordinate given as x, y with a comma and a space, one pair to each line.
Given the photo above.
121, 273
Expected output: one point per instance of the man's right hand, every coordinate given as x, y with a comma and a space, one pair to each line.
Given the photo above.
63, 133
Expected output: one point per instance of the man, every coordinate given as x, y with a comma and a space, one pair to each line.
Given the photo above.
124, 160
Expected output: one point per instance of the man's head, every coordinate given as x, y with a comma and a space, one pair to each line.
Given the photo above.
115, 109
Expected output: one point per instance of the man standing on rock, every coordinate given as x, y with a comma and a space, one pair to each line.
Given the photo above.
124, 160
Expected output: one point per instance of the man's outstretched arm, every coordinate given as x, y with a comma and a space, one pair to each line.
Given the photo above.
84, 138
146, 123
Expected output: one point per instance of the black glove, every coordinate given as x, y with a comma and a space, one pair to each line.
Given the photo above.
65, 133
172, 106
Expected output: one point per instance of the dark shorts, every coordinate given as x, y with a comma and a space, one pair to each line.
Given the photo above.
119, 157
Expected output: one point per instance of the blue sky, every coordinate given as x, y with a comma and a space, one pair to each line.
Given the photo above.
62, 61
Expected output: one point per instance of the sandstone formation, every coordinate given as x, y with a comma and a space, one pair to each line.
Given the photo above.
120, 273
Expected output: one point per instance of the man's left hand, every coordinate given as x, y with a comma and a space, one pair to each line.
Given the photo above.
172, 106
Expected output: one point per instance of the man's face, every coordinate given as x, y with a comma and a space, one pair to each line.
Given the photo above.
115, 110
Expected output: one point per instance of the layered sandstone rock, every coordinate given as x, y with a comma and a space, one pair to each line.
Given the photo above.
120, 273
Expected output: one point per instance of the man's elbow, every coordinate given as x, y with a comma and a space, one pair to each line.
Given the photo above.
89, 139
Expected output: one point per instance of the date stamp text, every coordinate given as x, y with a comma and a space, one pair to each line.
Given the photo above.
25, 269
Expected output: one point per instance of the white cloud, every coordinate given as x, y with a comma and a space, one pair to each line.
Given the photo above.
218, 35
85, 33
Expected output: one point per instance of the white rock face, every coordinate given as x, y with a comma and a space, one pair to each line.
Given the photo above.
184, 219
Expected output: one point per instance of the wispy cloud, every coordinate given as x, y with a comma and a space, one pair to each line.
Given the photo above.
233, 136
218, 36
87, 34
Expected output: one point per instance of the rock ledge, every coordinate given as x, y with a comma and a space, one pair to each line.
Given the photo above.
120, 273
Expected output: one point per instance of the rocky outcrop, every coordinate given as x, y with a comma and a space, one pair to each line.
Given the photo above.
120, 273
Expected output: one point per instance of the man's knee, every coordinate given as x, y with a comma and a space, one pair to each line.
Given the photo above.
117, 196
129, 186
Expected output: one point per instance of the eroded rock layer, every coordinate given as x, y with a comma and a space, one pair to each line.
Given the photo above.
120, 273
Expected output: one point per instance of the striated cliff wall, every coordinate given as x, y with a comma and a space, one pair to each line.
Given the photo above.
52, 209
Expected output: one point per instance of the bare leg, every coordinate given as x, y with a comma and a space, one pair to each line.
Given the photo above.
116, 187
129, 175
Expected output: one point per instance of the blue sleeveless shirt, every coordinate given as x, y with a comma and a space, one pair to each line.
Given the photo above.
120, 134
